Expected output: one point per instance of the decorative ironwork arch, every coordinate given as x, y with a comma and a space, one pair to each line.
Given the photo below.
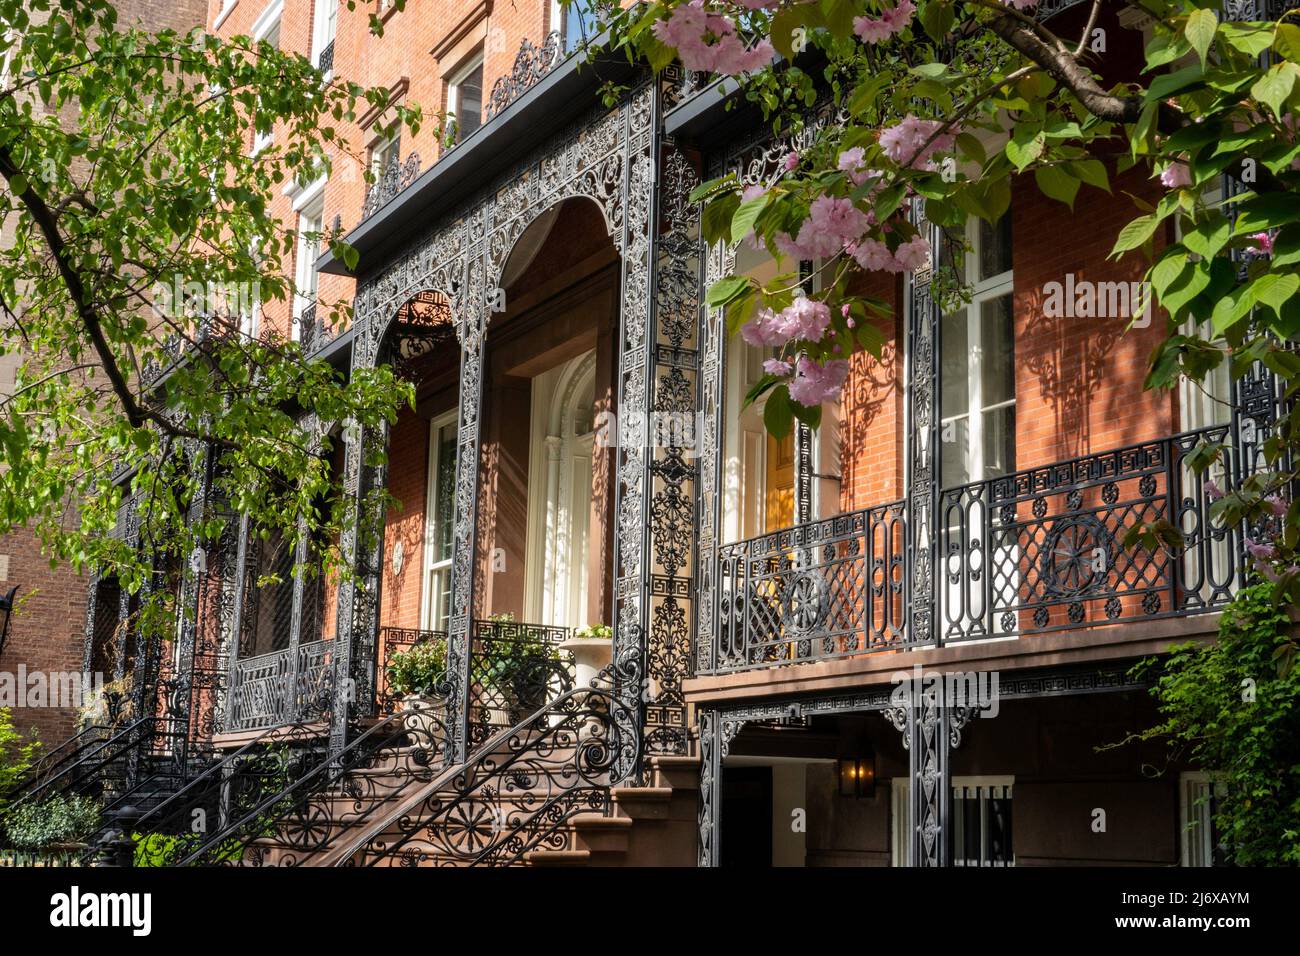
607, 157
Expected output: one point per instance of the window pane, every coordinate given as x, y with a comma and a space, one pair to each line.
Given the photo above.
954, 452
469, 102
444, 516
1000, 441
576, 19
997, 351
995, 247
954, 373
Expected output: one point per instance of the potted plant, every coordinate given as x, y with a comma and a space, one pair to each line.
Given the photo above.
592, 648
521, 673
413, 675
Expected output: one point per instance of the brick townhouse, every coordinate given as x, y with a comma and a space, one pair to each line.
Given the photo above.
539, 266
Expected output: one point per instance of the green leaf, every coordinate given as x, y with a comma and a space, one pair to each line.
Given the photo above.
1286, 41
1025, 145
1251, 39
724, 290
778, 416
1275, 86
1056, 183
1209, 236
1200, 29
743, 221
1274, 290
1091, 171
1135, 234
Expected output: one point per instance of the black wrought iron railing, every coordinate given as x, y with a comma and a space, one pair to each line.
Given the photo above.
1039, 550
515, 794
282, 799
515, 668
394, 178
1043, 549
282, 687
832, 588
98, 762
325, 62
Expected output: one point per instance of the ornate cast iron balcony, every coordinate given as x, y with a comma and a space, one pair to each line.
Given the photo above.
281, 687
1036, 551
395, 177
325, 62
531, 64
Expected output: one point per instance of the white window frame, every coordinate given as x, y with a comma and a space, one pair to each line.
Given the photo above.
900, 809
227, 8
454, 82
982, 290
304, 273
379, 149
431, 610
267, 23
324, 28
1195, 830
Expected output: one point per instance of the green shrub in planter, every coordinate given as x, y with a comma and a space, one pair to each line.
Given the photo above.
419, 669
16, 755
596, 631
58, 820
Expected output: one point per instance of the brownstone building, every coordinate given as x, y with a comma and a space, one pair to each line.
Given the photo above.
911, 631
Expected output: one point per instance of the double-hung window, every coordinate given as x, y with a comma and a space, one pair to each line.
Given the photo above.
267, 30
439, 522
325, 15
978, 372
572, 21
465, 98
979, 831
310, 224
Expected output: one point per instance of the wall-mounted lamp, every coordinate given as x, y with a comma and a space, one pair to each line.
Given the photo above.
6, 610
858, 774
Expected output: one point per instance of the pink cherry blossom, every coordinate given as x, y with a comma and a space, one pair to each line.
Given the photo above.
1176, 175
777, 367
833, 222
709, 42
907, 141
874, 256
814, 383
806, 319
764, 329
791, 162
759, 4
913, 254
1277, 504
851, 162
1212, 490
891, 22
1264, 552
1265, 241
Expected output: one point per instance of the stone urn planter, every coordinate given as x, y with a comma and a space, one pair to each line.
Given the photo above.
591, 655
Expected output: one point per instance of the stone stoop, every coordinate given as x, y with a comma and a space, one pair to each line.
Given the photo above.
653, 825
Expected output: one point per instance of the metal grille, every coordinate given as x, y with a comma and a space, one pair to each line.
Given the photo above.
515, 669
261, 686
980, 834
832, 588
1043, 549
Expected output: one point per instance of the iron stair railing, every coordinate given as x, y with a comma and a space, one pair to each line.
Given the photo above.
83, 768
514, 794
299, 803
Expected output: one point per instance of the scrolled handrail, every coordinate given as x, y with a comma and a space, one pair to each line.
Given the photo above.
516, 791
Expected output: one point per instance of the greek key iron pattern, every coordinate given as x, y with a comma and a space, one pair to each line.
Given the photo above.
674, 407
